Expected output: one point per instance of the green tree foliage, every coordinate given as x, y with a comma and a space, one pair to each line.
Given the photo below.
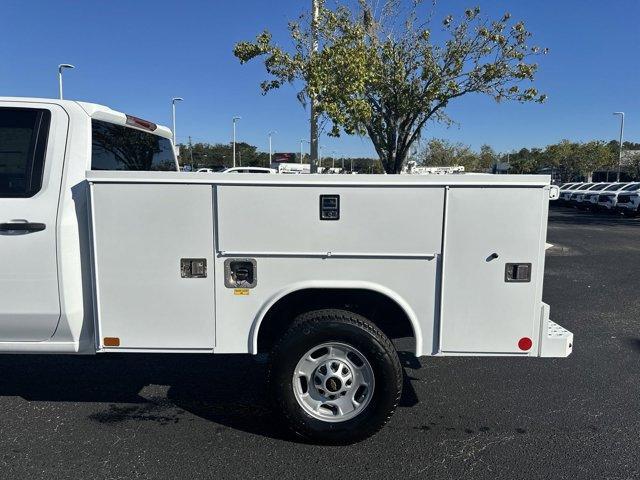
487, 158
220, 155
572, 160
442, 153
632, 164
525, 161
379, 72
569, 160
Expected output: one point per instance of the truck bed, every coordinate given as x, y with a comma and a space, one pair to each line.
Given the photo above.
440, 247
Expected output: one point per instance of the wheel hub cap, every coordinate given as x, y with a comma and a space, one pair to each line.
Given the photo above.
333, 382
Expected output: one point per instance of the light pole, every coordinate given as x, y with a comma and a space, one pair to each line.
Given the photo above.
235, 119
173, 118
333, 158
61, 67
621, 137
313, 130
301, 148
320, 148
270, 148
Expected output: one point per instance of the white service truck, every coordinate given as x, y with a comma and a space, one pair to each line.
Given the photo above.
103, 250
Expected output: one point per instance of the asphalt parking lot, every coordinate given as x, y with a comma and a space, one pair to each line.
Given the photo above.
206, 417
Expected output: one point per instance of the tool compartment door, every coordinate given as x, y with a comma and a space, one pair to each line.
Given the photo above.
486, 229
142, 236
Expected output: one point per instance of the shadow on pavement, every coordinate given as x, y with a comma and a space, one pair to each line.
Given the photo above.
229, 390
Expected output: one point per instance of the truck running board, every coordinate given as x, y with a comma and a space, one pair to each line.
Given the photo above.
555, 341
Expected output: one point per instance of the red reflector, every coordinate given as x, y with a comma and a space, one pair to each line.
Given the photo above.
525, 343
140, 123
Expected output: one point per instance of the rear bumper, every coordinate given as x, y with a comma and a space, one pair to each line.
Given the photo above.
555, 341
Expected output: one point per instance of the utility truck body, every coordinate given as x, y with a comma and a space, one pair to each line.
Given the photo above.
101, 254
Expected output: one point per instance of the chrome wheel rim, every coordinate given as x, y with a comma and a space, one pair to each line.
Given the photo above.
333, 382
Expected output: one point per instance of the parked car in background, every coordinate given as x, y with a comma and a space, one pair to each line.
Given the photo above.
608, 199
578, 196
628, 202
205, 170
590, 199
566, 190
249, 170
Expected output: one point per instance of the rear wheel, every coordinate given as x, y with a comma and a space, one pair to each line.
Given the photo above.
335, 377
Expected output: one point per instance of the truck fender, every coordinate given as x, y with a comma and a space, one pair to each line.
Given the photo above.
341, 284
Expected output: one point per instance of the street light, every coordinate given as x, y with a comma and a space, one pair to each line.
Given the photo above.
621, 136
301, 149
61, 67
320, 148
173, 111
270, 149
234, 119
333, 158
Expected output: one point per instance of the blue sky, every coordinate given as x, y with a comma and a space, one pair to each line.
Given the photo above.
135, 55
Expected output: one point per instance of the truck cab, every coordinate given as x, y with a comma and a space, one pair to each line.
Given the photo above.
46, 146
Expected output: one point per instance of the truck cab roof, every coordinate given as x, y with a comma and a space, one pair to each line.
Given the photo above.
97, 111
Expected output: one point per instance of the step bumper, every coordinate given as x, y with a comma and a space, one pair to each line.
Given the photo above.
556, 341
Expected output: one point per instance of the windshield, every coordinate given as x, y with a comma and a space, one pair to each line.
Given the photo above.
633, 186
585, 186
598, 186
615, 186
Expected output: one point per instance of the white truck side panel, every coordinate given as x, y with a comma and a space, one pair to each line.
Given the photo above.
387, 239
140, 234
411, 283
481, 312
286, 219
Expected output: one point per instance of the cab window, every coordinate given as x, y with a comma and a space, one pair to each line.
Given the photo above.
23, 144
116, 147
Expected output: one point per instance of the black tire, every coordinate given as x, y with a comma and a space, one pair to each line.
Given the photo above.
316, 328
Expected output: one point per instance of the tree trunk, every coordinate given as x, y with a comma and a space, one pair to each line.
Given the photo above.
389, 140
393, 162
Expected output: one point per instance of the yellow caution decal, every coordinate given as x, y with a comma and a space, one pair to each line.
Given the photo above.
241, 291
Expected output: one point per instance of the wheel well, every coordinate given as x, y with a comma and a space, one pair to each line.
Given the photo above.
383, 311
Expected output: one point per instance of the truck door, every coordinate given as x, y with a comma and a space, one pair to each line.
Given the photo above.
32, 146
492, 270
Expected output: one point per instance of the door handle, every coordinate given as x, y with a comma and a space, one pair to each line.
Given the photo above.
22, 227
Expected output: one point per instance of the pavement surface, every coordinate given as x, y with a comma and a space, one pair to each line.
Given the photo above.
122, 417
